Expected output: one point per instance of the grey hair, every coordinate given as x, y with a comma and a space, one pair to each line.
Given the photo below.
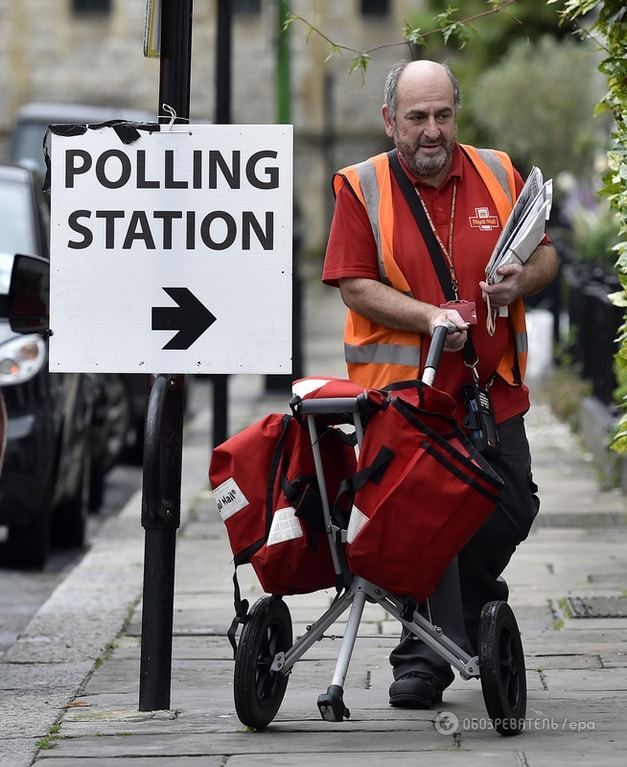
390, 95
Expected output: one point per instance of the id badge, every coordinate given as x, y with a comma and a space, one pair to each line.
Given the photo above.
467, 310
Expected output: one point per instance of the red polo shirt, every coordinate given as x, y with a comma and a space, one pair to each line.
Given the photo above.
352, 252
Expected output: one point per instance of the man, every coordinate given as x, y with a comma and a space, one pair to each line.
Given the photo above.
378, 258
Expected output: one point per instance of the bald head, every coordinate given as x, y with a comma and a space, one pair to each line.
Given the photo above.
420, 111
419, 74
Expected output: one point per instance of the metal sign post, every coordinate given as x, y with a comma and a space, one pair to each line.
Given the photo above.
163, 448
224, 28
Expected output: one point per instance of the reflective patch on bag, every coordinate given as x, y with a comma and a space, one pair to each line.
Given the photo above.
308, 385
285, 526
355, 524
229, 498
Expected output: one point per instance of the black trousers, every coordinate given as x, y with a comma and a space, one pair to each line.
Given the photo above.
473, 578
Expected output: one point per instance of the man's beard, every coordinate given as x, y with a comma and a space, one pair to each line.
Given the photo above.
423, 165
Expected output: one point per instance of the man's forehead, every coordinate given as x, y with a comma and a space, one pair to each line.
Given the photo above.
427, 82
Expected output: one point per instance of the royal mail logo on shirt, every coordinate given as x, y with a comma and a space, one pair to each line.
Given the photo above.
483, 220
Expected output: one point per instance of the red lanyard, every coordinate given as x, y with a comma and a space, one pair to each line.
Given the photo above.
448, 251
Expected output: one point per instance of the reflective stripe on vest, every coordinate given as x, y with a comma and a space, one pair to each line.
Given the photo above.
371, 199
385, 354
375, 355
370, 181
497, 173
495, 164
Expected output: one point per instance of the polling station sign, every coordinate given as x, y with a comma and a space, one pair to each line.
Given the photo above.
171, 249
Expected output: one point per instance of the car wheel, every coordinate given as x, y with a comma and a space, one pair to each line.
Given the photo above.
28, 546
117, 420
97, 474
110, 431
133, 453
70, 519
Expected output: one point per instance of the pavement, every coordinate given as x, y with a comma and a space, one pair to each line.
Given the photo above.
70, 682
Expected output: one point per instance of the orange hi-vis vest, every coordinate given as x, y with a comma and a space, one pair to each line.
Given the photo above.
376, 355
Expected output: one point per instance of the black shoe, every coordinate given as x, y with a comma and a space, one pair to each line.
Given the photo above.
415, 689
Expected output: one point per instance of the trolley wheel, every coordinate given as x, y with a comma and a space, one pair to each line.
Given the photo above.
258, 692
502, 668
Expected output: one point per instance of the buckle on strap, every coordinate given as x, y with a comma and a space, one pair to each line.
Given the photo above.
241, 614
473, 369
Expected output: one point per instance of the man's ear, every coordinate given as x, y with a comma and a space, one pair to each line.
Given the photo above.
387, 121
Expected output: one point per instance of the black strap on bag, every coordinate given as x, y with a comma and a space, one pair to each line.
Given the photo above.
278, 459
373, 473
303, 492
241, 613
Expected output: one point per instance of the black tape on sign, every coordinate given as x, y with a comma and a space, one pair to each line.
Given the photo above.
127, 132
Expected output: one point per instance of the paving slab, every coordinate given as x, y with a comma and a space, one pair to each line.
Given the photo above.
53, 759
18, 752
436, 758
46, 676
28, 713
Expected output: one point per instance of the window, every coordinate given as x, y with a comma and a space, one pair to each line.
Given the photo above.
248, 7
91, 6
375, 7
17, 225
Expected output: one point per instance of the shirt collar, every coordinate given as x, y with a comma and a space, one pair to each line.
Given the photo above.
456, 170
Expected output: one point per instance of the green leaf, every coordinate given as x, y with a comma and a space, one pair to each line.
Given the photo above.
359, 63
413, 34
333, 50
290, 19
619, 298
443, 20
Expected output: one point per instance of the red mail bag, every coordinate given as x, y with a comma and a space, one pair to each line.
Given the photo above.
420, 492
267, 493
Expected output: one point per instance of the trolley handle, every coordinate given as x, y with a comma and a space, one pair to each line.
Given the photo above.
329, 405
435, 350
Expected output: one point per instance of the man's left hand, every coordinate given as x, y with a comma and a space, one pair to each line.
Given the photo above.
506, 291
518, 280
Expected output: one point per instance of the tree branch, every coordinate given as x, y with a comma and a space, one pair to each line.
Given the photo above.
365, 54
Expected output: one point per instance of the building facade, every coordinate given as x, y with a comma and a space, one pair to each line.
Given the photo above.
91, 51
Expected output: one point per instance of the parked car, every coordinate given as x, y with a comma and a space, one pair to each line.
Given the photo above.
46, 479
32, 121
3, 430
121, 401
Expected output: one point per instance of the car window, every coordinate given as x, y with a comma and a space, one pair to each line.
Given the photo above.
6, 265
17, 229
27, 148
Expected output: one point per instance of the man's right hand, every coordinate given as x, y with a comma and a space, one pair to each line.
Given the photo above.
456, 337
389, 307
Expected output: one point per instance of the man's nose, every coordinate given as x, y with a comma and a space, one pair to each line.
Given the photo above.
431, 128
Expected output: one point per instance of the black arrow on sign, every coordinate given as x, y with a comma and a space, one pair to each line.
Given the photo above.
190, 318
